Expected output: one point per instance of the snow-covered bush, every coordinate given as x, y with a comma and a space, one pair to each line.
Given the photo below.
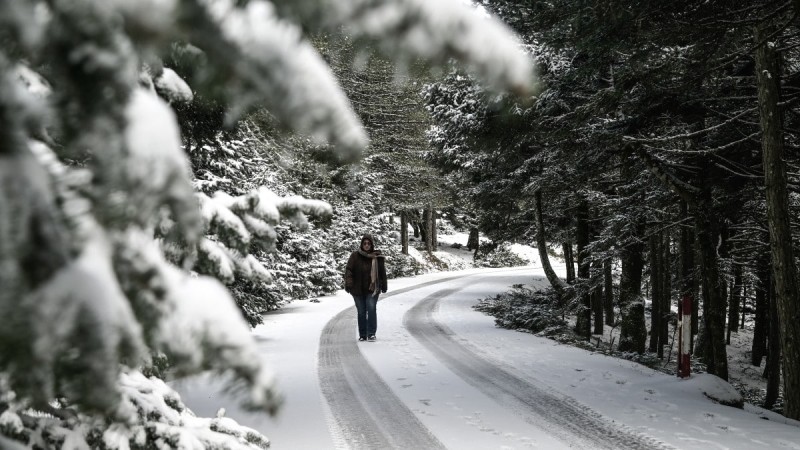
404, 266
525, 309
498, 255
451, 262
303, 267
162, 421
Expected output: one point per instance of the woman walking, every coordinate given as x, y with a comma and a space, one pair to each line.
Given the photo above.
365, 279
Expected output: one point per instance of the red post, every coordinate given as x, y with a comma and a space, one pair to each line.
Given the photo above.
684, 335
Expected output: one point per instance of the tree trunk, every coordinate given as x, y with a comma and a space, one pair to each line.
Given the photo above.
434, 230
655, 292
723, 253
660, 282
474, 240
633, 331
569, 261
687, 268
784, 272
666, 292
714, 352
597, 297
427, 218
608, 293
541, 245
404, 232
761, 313
583, 322
773, 370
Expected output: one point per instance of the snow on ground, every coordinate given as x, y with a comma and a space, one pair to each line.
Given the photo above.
453, 251
450, 256
289, 341
674, 412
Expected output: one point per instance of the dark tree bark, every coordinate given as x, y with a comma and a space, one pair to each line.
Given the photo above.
660, 285
687, 284
784, 271
541, 245
608, 293
583, 322
404, 232
414, 220
772, 370
427, 219
655, 292
434, 230
597, 298
713, 352
473, 241
633, 331
762, 312
666, 293
569, 260
724, 253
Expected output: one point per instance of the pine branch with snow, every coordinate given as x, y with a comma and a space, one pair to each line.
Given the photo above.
151, 414
436, 31
101, 230
236, 222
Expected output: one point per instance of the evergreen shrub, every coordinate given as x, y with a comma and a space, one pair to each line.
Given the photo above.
524, 309
494, 255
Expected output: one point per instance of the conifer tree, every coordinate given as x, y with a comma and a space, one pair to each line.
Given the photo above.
109, 260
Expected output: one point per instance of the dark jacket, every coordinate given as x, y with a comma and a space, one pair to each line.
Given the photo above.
357, 272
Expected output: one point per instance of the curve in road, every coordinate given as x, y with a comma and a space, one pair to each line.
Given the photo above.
565, 418
368, 415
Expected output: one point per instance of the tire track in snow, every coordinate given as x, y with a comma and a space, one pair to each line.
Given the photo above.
366, 412
566, 418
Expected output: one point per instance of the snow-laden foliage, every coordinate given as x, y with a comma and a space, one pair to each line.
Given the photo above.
291, 69
236, 222
437, 31
527, 310
172, 87
104, 244
458, 107
161, 421
494, 255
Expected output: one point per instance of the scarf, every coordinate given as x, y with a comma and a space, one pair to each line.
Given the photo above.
374, 286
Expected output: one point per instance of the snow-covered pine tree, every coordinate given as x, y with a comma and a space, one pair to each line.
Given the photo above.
102, 236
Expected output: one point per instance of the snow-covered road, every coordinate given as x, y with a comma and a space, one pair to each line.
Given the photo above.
442, 376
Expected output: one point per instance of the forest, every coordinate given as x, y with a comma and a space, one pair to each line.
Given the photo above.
159, 155
664, 143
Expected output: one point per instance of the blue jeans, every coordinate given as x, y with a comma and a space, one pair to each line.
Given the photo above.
367, 315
